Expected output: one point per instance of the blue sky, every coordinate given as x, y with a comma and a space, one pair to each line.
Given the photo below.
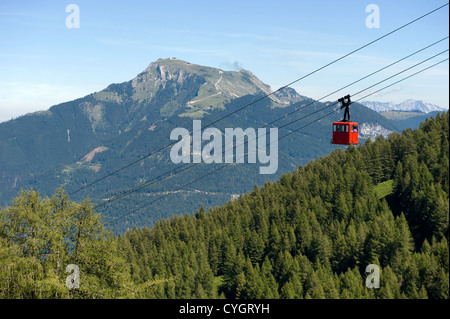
43, 63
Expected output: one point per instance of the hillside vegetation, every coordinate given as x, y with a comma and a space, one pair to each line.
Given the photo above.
309, 235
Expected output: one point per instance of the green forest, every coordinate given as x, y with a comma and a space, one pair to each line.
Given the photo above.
309, 235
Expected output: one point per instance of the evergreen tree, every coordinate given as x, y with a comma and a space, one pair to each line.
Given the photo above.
309, 235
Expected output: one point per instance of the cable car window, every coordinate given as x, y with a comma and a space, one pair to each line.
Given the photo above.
334, 128
346, 128
355, 128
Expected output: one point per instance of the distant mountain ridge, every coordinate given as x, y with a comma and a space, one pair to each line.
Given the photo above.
76, 142
408, 105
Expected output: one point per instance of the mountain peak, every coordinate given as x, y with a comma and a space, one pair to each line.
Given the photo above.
190, 90
170, 63
204, 87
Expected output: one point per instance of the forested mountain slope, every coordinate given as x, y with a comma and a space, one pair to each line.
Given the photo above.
309, 235
312, 234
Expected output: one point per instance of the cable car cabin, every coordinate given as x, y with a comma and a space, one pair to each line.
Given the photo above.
345, 133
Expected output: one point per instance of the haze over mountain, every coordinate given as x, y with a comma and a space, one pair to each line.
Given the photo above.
77, 142
408, 105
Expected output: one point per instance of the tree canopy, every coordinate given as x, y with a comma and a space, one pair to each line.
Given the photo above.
309, 235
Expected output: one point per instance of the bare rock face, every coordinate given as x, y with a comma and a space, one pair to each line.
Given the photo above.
288, 96
216, 87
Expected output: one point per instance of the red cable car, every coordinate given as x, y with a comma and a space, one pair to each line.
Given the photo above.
345, 132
